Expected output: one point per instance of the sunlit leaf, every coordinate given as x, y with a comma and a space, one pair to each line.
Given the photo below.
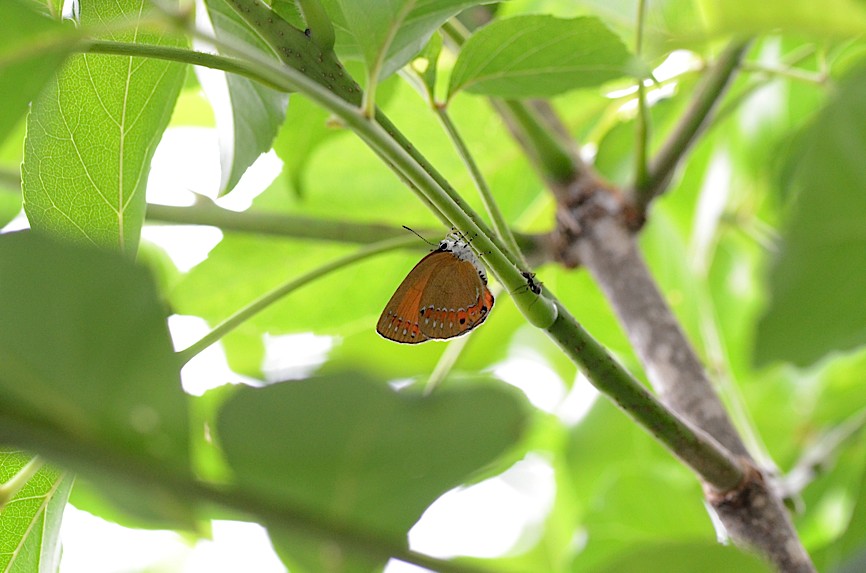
92, 133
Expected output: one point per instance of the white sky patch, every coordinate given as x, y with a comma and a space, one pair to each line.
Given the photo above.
487, 519
19, 223
94, 545
294, 356
529, 372
236, 546
186, 162
577, 402
185, 245
207, 370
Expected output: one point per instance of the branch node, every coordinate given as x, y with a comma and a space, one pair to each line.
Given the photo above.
743, 494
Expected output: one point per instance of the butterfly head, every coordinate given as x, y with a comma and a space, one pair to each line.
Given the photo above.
458, 245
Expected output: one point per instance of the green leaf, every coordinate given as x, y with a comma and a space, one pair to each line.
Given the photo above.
92, 134
354, 451
830, 18
32, 47
816, 286
30, 521
538, 56
88, 365
256, 111
304, 130
426, 67
389, 34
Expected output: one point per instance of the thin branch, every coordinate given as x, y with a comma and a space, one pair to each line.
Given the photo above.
267, 299
642, 120
499, 223
205, 212
821, 455
706, 97
184, 55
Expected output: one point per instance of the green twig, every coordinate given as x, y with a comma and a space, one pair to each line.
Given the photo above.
446, 362
499, 223
270, 298
694, 447
642, 120
205, 212
706, 97
184, 55
791, 73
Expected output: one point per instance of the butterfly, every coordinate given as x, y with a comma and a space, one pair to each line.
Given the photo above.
443, 296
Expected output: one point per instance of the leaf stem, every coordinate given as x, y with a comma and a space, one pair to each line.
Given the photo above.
499, 224
642, 120
276, 294
707, 96
184, 55
205, 212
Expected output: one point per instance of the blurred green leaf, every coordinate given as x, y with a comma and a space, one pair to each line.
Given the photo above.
92, 133
355, 451
30, 521
816, 284
32, 47
89, 368
256, 111
538, 56
801, 17
304, 130
849, 547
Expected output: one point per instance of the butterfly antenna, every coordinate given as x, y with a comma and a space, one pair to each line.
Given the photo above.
419, 236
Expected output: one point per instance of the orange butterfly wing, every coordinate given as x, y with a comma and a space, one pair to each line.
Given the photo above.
455, 301
441, 297
400, 319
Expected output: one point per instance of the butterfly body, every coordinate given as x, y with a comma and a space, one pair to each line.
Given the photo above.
443, 296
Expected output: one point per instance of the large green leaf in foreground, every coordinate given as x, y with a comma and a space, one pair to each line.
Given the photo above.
357, 452
817, 285
88, 366
92, 133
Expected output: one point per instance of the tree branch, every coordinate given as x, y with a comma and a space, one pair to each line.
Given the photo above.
597, 229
